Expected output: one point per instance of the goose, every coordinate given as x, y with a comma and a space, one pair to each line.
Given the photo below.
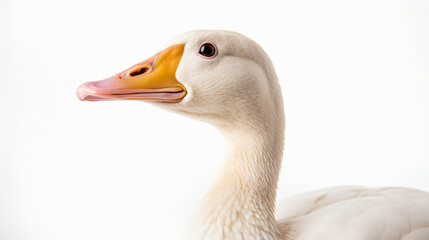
227, 80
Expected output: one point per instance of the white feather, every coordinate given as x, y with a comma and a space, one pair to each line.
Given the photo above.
238, 92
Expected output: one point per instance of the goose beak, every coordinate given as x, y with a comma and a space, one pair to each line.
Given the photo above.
152, 80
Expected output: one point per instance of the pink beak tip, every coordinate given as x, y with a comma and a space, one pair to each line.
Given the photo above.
81, 92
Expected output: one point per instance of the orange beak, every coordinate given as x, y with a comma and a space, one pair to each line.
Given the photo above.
152, 80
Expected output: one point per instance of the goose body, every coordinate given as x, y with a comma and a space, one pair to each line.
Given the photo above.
356, 213
227, 80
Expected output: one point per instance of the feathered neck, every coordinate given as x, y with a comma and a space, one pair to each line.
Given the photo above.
240, 203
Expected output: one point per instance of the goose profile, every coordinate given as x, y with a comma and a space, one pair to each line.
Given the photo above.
227, 80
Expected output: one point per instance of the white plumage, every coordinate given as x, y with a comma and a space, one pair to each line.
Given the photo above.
237, 91
357, 213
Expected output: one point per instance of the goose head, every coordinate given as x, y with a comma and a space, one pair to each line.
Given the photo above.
220, 77
227, 80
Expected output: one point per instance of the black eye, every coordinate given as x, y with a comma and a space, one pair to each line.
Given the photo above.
208, 50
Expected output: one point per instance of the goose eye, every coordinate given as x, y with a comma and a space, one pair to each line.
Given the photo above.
208, 50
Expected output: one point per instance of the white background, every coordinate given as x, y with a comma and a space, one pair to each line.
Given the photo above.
355, 78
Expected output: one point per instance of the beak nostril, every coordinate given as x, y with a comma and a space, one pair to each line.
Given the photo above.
138, 71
